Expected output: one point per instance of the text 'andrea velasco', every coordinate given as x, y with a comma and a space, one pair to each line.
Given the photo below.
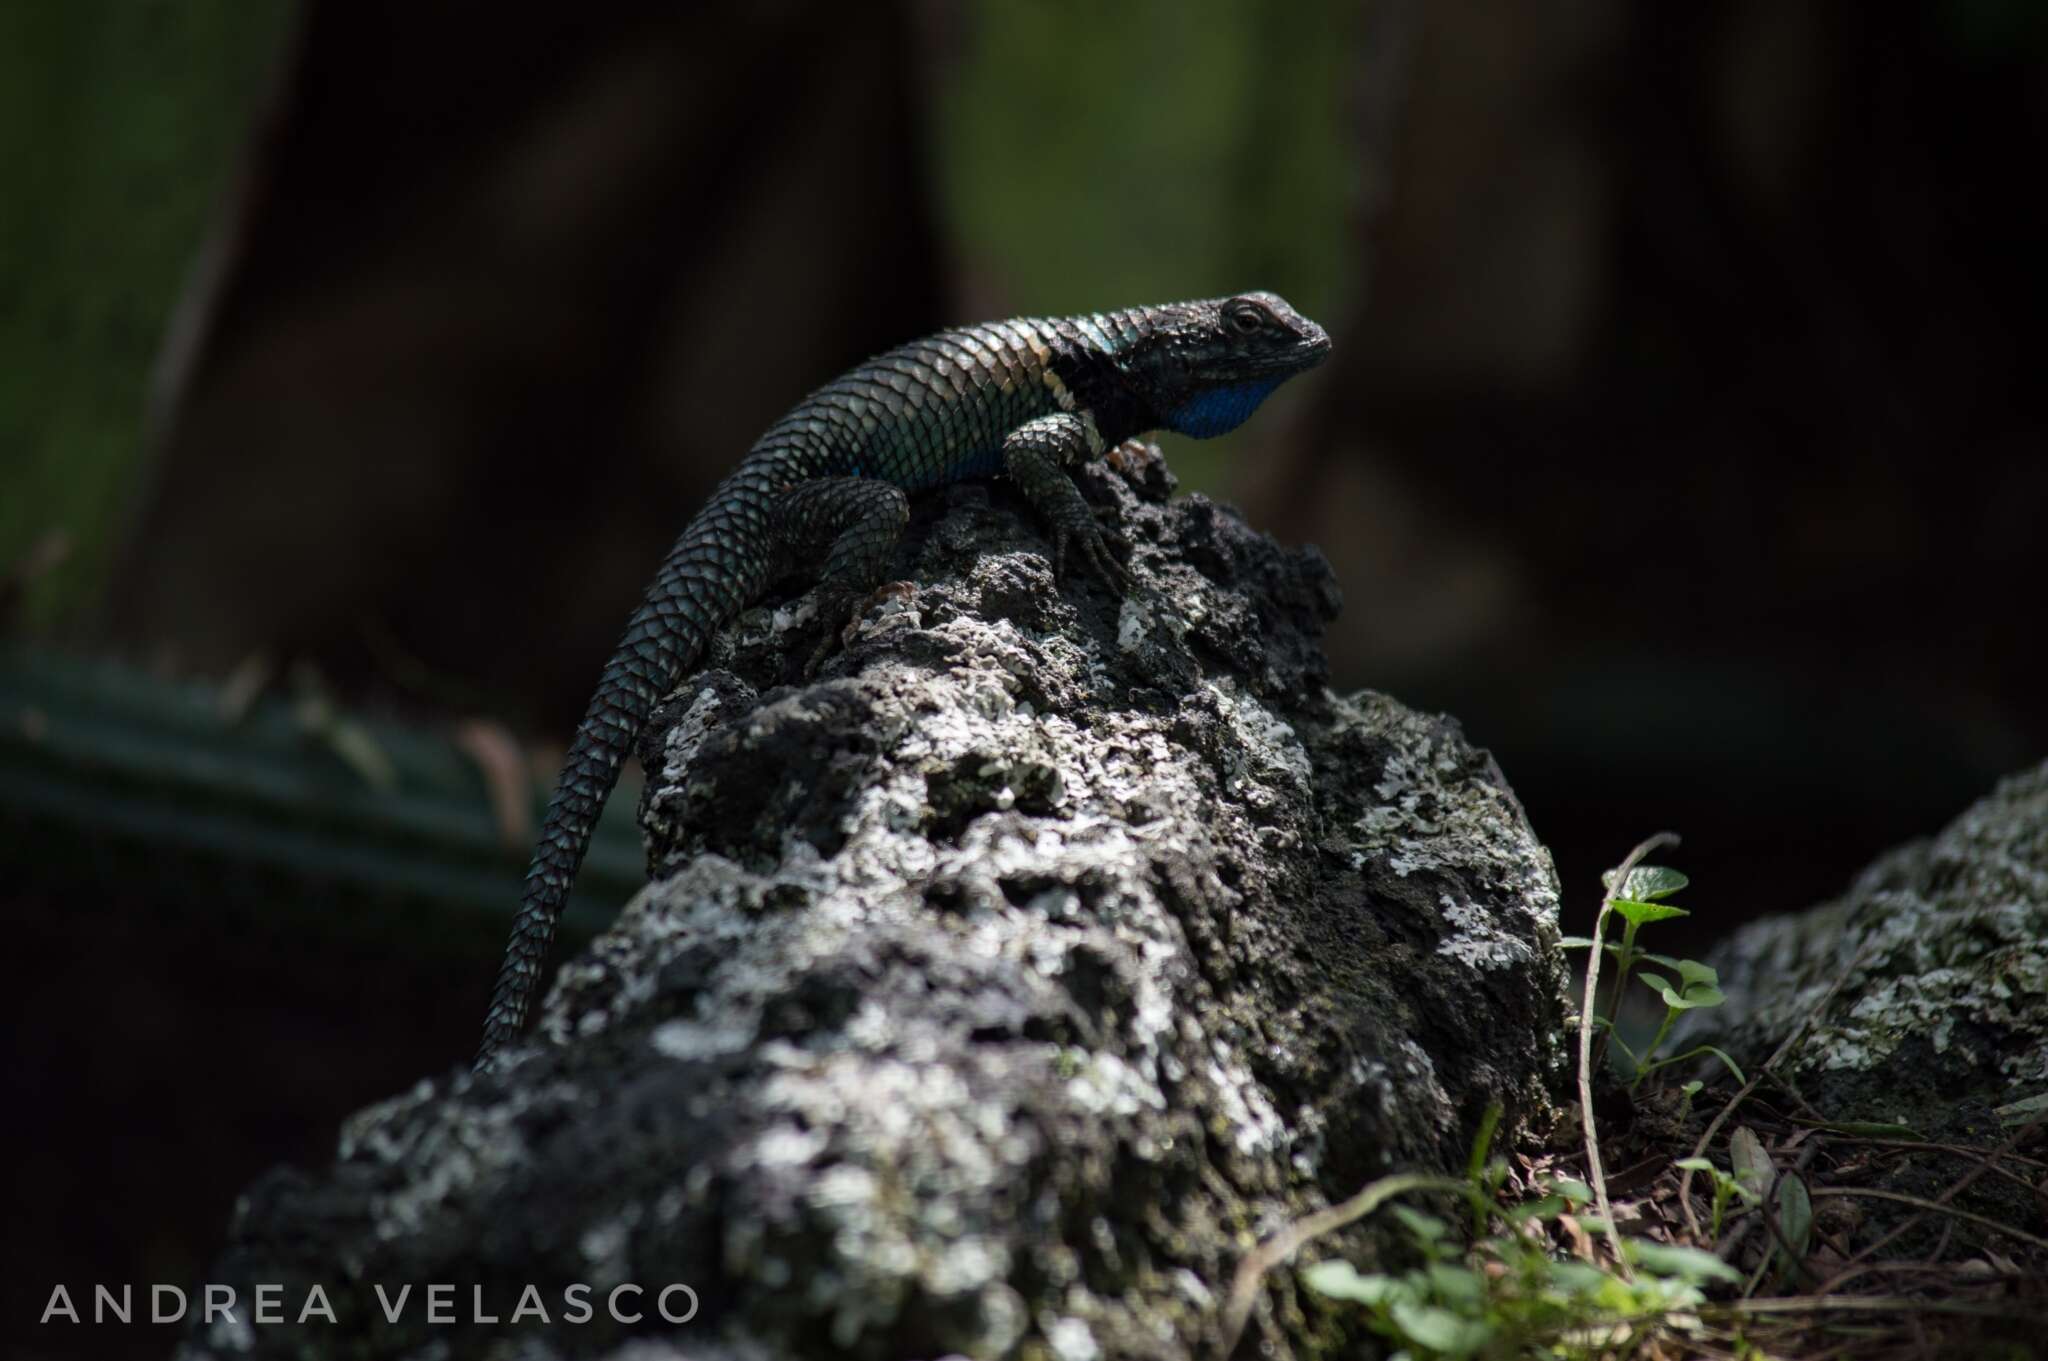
439, 1303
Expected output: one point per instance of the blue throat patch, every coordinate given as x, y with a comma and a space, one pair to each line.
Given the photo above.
1219, 410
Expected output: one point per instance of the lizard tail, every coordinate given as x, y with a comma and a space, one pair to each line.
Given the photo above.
720, 563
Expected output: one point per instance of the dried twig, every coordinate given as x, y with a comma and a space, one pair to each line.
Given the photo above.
1932, 1207
1244, 1287
1984, 1164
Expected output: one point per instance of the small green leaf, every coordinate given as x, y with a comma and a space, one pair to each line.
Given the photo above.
1455, 1285
1687, 1264
1542, 1208
1576, 1277
1440, 1330
1426, 1227
1339, 1280
1575, 942
1691, 972
1697, 1165
1696, 996
1482, 1141
1573, 1190
1640, 913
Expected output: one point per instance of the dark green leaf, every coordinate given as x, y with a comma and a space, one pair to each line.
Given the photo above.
1795, 1215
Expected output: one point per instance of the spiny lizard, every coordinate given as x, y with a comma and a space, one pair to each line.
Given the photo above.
1026, 398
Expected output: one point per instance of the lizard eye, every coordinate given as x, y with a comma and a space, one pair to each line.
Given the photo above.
1246, 319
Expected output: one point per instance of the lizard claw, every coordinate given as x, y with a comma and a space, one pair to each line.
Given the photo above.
1094, 547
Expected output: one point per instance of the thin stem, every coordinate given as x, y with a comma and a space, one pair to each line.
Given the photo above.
1594, 1174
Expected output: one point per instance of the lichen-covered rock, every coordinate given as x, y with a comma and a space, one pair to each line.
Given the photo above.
1930, 978
998, 990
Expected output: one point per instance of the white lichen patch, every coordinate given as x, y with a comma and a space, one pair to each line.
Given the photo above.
1423, 822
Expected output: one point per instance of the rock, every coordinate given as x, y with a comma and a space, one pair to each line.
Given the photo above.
1927, 990
1932, 976
997, 991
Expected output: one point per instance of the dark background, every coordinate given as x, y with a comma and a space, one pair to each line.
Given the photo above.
1684, 435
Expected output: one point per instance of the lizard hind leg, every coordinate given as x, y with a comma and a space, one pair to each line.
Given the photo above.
856, 522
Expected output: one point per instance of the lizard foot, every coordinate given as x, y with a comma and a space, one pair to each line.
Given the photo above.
1094, 546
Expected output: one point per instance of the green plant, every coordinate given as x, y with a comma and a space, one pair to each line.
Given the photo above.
1638, 901
1726, 1188
1509, 1293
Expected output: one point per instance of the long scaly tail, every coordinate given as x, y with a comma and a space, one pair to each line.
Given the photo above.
720, 562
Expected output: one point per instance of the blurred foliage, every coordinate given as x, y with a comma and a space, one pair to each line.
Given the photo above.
1187, 148
120, 121
1987, 30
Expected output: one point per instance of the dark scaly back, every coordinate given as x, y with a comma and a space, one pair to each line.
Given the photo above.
930, 412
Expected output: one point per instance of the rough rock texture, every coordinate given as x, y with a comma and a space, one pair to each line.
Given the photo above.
999, 988
1941, 952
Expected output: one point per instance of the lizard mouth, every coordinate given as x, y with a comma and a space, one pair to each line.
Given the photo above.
1313, 348
1307, 350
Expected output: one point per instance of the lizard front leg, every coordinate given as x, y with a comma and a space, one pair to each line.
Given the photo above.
1035, 456
856, 522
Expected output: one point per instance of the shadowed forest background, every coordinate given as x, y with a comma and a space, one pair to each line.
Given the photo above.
1684, 436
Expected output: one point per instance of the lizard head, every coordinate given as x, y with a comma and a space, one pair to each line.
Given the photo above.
1205, 366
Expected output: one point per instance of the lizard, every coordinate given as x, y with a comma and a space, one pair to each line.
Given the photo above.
1027, 399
